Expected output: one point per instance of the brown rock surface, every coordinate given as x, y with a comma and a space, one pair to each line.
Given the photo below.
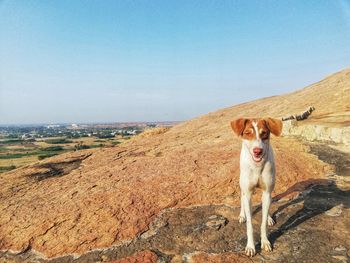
218, 258
141, 257
95, 199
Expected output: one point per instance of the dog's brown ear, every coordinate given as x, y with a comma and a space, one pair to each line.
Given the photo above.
274, 125
238, 126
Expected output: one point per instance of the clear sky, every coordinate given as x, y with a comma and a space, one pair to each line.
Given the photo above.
157, 60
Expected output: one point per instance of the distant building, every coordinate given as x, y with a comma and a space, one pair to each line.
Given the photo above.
28, 136
133, 132
52, 126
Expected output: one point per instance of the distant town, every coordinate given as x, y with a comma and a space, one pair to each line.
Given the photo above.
24, 144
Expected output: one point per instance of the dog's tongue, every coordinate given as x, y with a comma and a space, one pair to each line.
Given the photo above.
257, 155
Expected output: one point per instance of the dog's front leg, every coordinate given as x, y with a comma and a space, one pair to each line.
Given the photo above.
250, 248
266, 201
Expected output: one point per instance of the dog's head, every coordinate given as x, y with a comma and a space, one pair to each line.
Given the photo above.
255, 134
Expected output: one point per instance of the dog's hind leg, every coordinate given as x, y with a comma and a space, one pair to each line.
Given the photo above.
270, 221
242, 217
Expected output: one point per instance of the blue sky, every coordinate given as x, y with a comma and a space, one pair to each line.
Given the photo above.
153, 60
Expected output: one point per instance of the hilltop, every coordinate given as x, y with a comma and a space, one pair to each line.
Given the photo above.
147, 195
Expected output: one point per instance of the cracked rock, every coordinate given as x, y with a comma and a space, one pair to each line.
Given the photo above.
216, 222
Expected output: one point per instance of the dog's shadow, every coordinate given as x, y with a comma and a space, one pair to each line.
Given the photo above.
318, 195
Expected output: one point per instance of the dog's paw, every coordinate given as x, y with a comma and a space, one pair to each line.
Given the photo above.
250, 251
266, 245
241, 219
270, 221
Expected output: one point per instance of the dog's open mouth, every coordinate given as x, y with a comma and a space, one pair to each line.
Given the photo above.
257, 157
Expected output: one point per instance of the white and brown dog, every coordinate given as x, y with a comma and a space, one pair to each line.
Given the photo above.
257, 169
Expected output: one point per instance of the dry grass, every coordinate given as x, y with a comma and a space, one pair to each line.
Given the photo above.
153, 131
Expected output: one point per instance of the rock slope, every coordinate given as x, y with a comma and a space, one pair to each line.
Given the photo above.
107, 204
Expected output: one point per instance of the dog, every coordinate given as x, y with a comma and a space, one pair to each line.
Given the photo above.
257, 169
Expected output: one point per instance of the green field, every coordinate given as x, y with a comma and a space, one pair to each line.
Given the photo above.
15, 152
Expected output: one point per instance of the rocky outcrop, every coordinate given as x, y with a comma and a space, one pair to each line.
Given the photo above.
316, 218
314, 132
173, 192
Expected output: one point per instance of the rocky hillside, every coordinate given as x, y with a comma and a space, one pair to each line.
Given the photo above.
170, 195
